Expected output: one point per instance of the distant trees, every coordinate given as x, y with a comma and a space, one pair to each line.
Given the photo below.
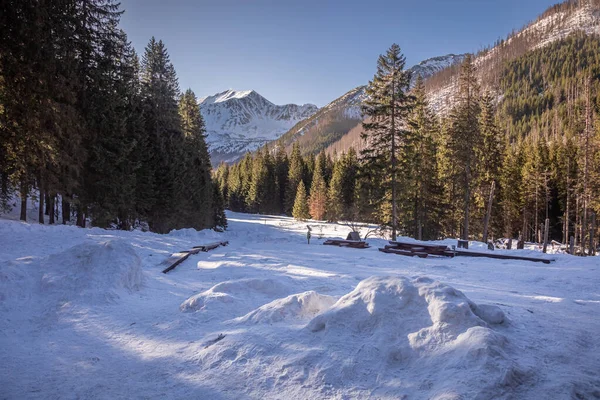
85, 124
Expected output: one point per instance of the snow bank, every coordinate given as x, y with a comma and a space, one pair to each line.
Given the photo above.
396, 324
241, 293
302, 305
92, 272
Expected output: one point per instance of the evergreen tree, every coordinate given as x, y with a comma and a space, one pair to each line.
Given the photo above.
386, 109
423, 192
197, 193
335, 201
318, 195
281, 171
465, 137
160, 91
300, 210
295, 175
219, 217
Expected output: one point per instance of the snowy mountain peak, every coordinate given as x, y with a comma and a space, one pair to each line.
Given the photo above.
432, 66
227, 95
241, 121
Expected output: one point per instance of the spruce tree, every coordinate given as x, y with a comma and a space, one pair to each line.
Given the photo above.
423, 192
318, 195
281, 171
197, 194
386, 109
335, 201
465, 137
160, 92
300, 210
295, 175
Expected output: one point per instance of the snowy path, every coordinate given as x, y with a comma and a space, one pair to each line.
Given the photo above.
125, 335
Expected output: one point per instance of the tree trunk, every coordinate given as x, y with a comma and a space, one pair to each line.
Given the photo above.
66, 211
467, 197
572, 245
47, 202
51, 200
42, 205
80, 216
546, 227
393, 128
24, 193
592, 250
488, 214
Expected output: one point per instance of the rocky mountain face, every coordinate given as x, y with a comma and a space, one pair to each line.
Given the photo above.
241, 121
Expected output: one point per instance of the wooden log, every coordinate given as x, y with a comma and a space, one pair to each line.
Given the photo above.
211, 246
180, 257
404, 252
466, 253
418, 244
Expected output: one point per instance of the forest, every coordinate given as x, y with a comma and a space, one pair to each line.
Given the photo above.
498, 165
92, 132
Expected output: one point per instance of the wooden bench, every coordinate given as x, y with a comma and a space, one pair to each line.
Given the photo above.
419, 249
355, 244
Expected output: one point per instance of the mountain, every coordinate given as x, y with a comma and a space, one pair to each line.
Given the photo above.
336, 119
241, 121
441, 73
556, 23
328, 124
434, 65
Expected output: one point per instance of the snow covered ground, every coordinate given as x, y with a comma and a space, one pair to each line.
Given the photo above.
87, 313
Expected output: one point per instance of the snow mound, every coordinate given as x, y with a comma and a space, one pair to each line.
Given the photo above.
390, 325
241, 292
302, 305
92, 272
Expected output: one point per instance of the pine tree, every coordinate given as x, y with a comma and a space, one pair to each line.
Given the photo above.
489, 156
423, 190
300, 210
281, 171
295, 175
219, 218
318, 194
465, 137
335, 201
386, 109
160, 91
197, 194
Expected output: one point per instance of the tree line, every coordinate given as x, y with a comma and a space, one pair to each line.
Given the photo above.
86, 124
494, 166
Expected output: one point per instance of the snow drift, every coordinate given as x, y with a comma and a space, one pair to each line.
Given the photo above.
302, 305
92, 272
425, 338
239, 294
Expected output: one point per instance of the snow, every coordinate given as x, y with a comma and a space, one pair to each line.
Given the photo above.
87, 313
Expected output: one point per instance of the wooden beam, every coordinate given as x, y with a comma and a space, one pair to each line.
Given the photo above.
467, 253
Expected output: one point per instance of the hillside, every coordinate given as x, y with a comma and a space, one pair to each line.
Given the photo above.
554, 24
497, 64
336, 119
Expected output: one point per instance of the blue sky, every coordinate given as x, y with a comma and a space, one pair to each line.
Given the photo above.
308, 51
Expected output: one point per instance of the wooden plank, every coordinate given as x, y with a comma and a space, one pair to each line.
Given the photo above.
418, 244
466, 253
210, 246
404, 252
178, 261
178, 258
